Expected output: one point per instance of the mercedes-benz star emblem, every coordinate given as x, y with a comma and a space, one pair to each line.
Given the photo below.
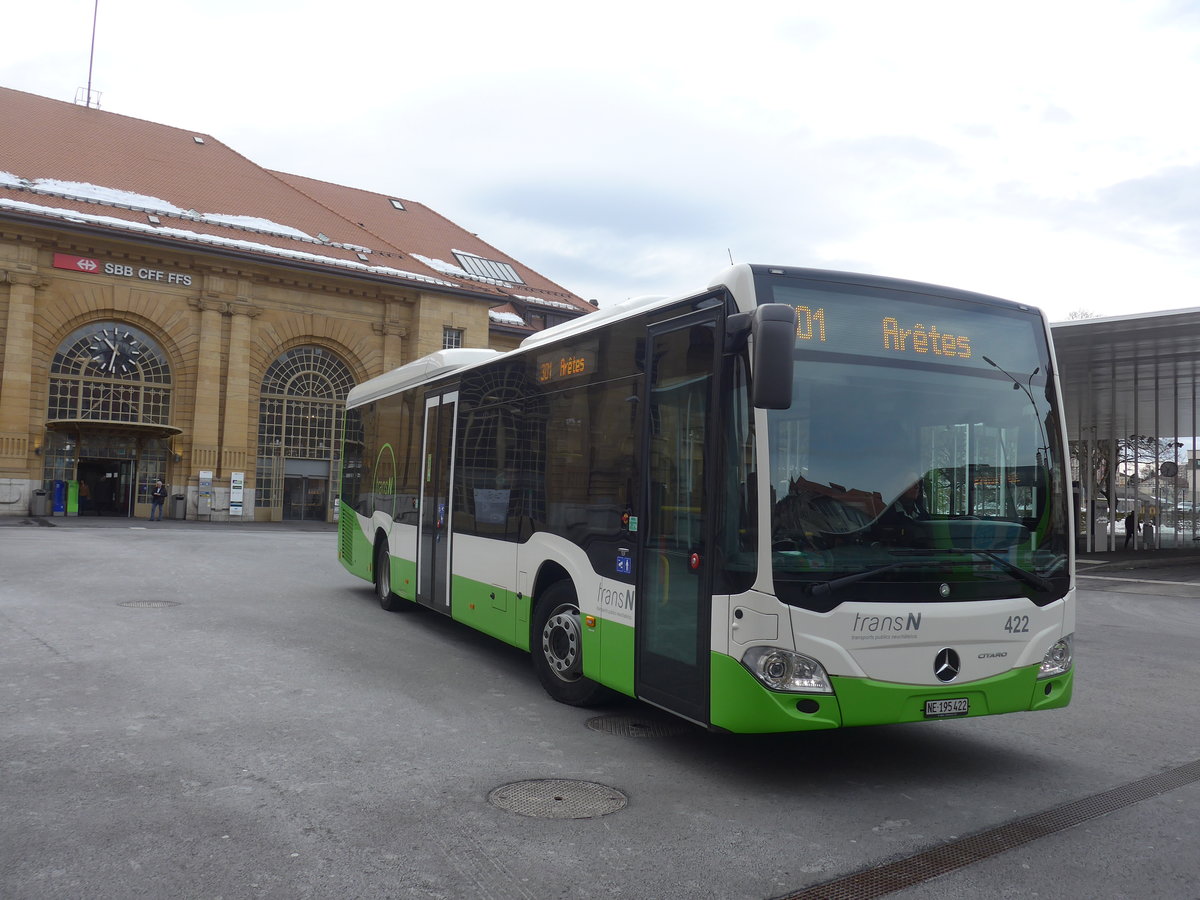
946, 665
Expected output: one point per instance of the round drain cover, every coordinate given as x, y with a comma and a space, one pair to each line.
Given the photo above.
552, 798
639, 725
149, 604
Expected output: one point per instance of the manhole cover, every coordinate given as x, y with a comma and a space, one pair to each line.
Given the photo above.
638, 725
558, 799
149, 604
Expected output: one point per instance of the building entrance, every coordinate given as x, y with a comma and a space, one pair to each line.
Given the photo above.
105, 487
305, 490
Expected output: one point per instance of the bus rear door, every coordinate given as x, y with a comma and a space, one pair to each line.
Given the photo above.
437, 500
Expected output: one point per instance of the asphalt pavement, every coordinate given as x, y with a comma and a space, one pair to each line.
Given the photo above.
205, 710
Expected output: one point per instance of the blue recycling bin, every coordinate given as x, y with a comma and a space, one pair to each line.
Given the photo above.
58, 505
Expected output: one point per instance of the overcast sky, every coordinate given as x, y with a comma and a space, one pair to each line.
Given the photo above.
1047, 151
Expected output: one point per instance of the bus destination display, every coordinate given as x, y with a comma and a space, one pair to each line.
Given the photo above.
573, 363
888, 327
919, 339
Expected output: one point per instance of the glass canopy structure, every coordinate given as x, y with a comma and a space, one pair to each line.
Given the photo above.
1130, 388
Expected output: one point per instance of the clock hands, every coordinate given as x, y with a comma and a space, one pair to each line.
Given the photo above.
122, 352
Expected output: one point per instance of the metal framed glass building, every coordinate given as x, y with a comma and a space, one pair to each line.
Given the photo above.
1130, 385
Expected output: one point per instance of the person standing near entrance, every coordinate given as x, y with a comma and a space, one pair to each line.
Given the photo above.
157, 497
1130, 527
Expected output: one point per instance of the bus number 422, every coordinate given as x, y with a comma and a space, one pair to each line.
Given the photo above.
1017, 625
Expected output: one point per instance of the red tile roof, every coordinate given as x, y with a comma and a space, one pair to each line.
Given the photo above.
57, 150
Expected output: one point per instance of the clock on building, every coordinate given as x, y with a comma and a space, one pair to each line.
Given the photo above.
115, 351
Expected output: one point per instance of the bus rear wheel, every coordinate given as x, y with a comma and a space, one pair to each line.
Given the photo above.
383, 581
558, 648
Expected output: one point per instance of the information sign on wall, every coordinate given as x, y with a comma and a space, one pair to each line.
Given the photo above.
237, 484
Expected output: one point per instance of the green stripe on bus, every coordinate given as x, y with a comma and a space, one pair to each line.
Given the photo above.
488, 608
354, 549
740, 703
404, 578
880, 703
611, 645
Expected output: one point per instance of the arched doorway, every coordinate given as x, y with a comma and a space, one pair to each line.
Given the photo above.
302, 406
107, 421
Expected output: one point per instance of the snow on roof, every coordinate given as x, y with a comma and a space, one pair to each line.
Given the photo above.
505, 318
542, 301
254, 223
82, 190
216, 240
95, 162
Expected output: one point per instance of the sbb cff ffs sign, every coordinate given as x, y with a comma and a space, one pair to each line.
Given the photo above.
121, 270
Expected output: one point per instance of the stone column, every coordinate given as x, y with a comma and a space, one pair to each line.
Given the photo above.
393, 344
236, 453
206, 420
15, 388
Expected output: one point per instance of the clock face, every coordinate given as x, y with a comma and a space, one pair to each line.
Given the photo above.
115, 352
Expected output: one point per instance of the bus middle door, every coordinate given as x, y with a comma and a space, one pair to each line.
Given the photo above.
437, 501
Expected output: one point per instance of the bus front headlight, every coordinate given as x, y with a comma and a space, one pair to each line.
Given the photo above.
785, 670
1059, 658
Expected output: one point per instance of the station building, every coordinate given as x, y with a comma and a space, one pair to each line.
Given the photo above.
170, 309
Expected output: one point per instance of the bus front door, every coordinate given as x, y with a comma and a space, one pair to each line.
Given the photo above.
674, 602
437, 501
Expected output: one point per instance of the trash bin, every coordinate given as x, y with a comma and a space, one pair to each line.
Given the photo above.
40, 504
179, 506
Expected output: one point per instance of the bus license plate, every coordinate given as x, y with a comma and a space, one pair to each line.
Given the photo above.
939, 709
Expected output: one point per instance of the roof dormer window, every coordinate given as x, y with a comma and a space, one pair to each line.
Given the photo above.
481, 267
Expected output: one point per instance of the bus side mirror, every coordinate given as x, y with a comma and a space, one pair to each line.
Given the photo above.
773, 332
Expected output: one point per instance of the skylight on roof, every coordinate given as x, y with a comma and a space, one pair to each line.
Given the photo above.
487, 268
197, 139
396, 203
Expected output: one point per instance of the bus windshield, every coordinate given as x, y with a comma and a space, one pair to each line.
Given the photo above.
920, 458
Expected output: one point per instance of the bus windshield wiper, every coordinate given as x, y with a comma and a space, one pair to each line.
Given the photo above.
821, 588
1032, 578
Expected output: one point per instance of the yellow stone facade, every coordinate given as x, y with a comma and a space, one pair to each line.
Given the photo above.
220, 323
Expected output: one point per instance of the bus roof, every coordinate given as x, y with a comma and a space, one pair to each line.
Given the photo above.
417, 371
739, 278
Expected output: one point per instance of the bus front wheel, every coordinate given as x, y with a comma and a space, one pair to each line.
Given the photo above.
383, 581
557, 648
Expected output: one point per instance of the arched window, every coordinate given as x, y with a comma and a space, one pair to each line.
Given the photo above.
301, 408
110, 372
108, 412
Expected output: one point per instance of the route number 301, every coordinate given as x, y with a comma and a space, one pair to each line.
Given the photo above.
1017, 625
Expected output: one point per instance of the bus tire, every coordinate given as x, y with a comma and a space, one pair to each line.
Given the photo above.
557, 648
388, 600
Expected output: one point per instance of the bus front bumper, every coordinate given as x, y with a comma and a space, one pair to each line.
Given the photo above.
741, 704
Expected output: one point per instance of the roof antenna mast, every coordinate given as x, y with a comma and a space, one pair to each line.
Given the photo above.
87, 98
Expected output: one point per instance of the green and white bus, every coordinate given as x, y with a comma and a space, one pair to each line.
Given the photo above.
796, 499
